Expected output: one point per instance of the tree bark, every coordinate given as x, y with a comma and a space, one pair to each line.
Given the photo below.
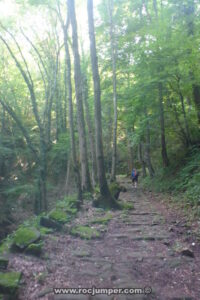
113, 55
71, 116
141, 160
162, 127
148, 151
90, 130
106, 198
86, 183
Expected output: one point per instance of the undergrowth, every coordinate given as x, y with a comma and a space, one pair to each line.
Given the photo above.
181, 180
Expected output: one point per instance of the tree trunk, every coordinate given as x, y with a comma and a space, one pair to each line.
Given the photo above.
90, 130
141, 160
188, 138
196, 95
67, 181
113, 55
86, 184
106, 198
162, 127
130, 159
71, 117
148, 152
65, 99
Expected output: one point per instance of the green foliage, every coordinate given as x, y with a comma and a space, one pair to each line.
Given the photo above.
68, 204
87, 196
65, 209
18, 189
181, 179
59, 156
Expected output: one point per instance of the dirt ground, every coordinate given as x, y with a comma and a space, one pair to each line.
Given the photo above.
150, 246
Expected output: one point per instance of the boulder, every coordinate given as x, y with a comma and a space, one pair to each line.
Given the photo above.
34, 249
59, 215
25, 236
49, 223
9, 282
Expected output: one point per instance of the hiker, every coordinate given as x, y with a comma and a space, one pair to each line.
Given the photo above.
134, 176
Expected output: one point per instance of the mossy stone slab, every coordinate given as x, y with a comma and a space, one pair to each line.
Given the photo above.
85, 232
81, 253
9, 282
25, 236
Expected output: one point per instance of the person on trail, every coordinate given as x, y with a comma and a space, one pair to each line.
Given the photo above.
134, 176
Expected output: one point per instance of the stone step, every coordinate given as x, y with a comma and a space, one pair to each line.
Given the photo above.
138, 238
143, 213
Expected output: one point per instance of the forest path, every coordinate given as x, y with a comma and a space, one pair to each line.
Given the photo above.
138, 248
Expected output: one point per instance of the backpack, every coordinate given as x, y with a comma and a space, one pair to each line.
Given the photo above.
133, 173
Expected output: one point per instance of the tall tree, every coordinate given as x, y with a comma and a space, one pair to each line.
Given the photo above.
113, 55
42, 167
70, 110
90, 127
86, 183
106, 198
162, 126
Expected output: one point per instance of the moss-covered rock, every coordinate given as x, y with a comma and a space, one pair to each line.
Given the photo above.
63, 206
102, 220
85, 232
50, 223
3, 263
25, 236
45, 230
9, 282
34, 249
59, 215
